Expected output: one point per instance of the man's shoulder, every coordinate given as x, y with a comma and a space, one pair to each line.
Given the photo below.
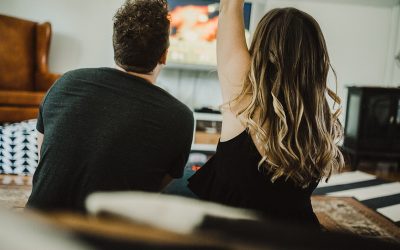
77, 76
74, 75
179, 107
185, 112
74, 78
83, 72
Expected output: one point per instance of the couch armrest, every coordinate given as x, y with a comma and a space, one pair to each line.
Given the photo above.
45, 80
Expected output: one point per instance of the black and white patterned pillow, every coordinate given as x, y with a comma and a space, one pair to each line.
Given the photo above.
18, 148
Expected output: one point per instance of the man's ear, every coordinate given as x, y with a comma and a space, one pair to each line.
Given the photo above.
163, 59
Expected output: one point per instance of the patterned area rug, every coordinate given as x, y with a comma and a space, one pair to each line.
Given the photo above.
345, 214
334, 213
379, 195
14, 191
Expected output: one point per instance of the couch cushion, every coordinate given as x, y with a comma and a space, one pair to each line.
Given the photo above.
17, 114
17, 53
21, 98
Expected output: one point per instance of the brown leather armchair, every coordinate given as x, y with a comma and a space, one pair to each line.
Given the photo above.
24, 75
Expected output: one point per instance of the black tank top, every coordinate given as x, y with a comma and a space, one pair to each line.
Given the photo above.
232, 177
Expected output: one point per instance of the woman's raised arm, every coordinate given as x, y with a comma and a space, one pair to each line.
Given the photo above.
232, 52
233, 61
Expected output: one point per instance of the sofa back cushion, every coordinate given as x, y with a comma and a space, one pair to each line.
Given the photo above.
17, 53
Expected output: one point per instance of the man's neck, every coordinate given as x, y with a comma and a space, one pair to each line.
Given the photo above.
150, 77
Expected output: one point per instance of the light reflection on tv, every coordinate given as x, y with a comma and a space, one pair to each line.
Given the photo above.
194, 31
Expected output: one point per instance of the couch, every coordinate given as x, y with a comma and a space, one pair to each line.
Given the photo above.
24, 74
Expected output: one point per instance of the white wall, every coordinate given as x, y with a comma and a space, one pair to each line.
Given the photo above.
362, 37
82, 29
395, 72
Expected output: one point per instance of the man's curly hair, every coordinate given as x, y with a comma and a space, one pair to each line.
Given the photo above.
141, 34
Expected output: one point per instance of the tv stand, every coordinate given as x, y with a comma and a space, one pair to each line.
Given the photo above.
372, 129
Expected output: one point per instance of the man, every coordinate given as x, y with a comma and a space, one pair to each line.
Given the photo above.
112, 129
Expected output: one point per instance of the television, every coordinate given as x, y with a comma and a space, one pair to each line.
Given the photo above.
194, 32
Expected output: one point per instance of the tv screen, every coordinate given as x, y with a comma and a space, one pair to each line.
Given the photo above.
194, 31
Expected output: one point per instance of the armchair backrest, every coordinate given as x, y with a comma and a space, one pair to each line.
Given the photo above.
24, 47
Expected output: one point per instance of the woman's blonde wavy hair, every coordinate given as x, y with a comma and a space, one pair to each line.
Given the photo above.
288, 113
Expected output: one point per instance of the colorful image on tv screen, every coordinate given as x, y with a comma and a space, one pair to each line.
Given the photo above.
194, 31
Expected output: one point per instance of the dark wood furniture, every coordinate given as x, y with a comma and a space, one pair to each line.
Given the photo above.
372, 129
24, 74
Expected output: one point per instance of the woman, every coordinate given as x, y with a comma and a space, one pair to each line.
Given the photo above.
278, 133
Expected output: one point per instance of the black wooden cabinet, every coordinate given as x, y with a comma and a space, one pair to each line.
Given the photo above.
372, 128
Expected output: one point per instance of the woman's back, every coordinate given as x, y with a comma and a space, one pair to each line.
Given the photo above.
231, 177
